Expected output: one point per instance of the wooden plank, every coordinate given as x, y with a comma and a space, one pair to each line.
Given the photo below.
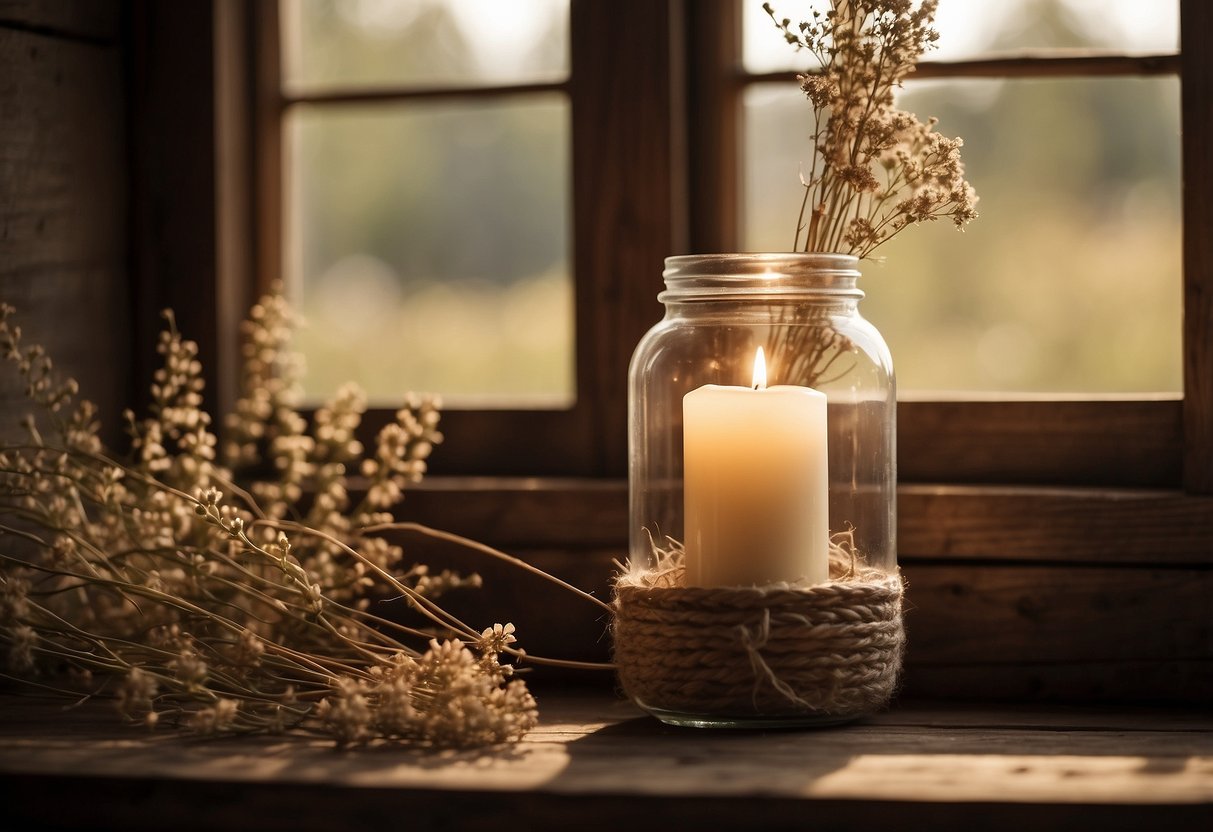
270, 208
1059, 633
62, 214
530, 512
1083, 683
522, 444
597, 764
552, 622
88, 20
714, 94
1004, 716
173, 179
387, 94
1103, 526
1021, 614
1196, 19
1098, 442
159, 803
235, 289
1029, 64
626, 216
1058, 525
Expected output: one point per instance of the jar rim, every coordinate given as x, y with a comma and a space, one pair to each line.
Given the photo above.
768, 274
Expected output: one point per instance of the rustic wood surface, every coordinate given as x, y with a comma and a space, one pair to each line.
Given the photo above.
1077, 525
1100, 526
86, 20
1096, 441
596, 762
980, 629
628, 197
713, 43
62, 197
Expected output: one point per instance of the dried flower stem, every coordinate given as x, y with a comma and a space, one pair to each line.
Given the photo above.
875, 169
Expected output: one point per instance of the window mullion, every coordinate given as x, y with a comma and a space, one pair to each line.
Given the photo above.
1196, 18
627, 209
377, 95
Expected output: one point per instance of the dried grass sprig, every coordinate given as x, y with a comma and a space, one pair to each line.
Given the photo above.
140, 581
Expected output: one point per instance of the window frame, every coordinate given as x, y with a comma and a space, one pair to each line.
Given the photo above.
1144, 440
654, 90
608, 61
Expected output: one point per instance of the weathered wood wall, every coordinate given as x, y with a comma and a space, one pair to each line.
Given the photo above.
63, 208
1012, 593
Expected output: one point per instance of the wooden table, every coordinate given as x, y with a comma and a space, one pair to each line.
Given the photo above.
597, 763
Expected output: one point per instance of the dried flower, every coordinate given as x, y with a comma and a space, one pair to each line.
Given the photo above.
876, 169
145, 582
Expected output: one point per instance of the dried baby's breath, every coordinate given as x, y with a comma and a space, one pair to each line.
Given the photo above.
875, 170
163, 584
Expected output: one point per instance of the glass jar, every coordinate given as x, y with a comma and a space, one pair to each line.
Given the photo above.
803, 310
763, 588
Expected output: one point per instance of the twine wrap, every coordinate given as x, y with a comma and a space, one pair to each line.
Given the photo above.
832, 649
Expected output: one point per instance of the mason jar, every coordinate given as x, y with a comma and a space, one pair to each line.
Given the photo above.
802, 310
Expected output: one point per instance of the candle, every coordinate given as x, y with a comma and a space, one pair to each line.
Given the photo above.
755, 484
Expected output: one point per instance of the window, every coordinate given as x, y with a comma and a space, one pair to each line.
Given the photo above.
1071, 280
603, 210
657, 97
1088, 311
427, 189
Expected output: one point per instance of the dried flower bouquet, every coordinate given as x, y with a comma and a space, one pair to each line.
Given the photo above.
145, 582
876, 170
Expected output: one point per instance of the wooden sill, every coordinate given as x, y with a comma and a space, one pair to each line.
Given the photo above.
1013, 592
993, 523
597, 763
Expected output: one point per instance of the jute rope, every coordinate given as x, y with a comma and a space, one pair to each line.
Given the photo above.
833, 649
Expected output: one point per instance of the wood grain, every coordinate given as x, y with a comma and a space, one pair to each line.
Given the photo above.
979, 627
96, 21
62, 212
713, 38
626, 215
1099, 442
1029, 64
173, 155
985, 523
1077, 525
1196, 19
385, 94
595, 763
1022, 614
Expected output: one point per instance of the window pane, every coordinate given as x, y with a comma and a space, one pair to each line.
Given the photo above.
430, 249
1071, 278
382, 42
969, 29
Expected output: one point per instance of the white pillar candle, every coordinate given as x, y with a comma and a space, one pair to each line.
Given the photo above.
755, 480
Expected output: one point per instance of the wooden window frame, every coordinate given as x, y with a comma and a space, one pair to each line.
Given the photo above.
1155, 441
1036, 536
654, 90
617, 50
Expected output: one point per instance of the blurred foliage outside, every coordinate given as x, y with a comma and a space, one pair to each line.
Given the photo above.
1070, 280
429, 241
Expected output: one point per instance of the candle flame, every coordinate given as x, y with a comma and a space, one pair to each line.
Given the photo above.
760, 370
